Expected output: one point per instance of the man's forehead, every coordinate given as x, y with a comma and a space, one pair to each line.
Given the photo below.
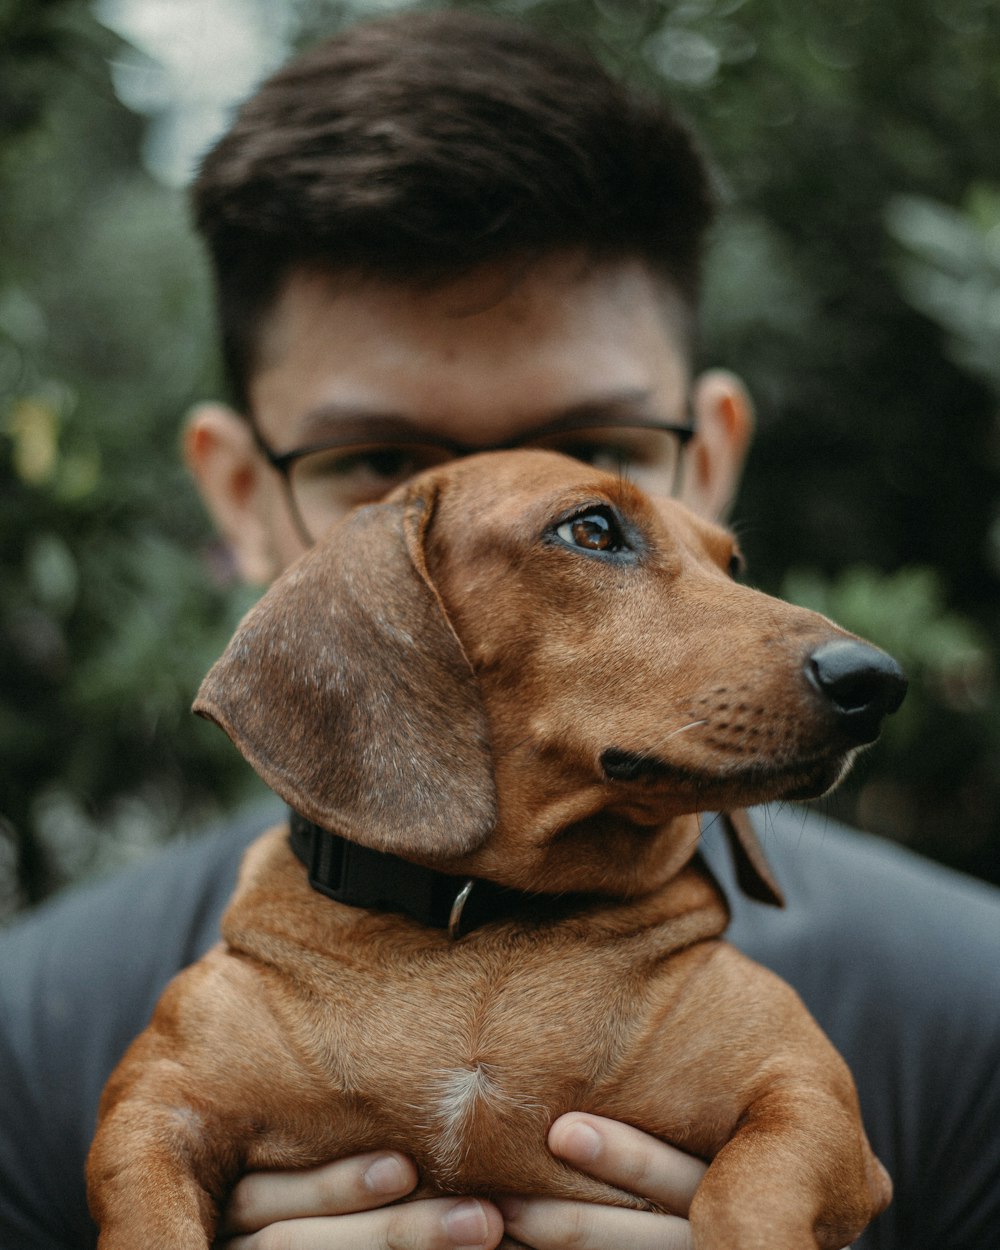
310, 291
482, 358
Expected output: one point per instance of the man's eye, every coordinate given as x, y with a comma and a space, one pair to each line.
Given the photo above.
355, 475
390, 463
596, 530
649, 456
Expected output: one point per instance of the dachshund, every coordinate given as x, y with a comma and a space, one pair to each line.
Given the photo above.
496, 703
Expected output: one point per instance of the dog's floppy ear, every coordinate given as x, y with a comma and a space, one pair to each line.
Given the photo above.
348, 692
753, 872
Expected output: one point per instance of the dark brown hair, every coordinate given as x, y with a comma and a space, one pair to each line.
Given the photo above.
417, 147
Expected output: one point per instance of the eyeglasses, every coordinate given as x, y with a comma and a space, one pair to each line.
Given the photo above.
325, 480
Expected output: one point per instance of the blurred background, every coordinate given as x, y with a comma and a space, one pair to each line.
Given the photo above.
854, 281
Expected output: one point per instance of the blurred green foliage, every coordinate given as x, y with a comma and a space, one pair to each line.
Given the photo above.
854, 281
112, 601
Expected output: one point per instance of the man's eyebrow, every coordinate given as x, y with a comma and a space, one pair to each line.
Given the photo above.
353, 423
619, 408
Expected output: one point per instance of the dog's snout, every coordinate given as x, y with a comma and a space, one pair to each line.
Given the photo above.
861, 684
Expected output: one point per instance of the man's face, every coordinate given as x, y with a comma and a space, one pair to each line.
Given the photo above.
503, 351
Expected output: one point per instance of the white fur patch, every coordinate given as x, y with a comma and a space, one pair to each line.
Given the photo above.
458, 1095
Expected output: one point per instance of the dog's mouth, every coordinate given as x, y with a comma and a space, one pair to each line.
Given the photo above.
736, 785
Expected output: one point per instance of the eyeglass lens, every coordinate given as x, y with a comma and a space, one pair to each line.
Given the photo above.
327, 483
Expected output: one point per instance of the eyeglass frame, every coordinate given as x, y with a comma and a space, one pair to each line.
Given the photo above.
282, 461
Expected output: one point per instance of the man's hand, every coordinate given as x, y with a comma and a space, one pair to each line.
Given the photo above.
626, 1158
344, 1204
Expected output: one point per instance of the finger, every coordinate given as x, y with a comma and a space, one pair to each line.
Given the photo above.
430, 1224
555, 1223
627, 1158
355, 1184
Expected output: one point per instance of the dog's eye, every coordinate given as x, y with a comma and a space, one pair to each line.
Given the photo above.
737, 566
596, 530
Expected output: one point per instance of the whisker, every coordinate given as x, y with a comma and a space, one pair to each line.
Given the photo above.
515, 746
684, 728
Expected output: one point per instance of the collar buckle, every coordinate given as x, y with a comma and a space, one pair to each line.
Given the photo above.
457, 907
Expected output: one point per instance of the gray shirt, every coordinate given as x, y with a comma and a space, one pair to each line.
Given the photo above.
899, 961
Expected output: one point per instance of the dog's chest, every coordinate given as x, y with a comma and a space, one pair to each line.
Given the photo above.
460, 1056
461, 1053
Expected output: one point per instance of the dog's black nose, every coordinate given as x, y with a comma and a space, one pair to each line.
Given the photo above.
861, 683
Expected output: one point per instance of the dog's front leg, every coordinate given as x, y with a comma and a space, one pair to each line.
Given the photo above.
798, 1174
147, 1185
210, 1088
731, 1067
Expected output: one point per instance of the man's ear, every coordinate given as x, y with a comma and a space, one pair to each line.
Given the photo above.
231, 477
723, 422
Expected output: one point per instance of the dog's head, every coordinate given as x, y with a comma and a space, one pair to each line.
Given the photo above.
521, 668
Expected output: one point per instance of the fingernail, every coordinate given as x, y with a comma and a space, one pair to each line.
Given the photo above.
466, 1224
582, 1143
385, 1175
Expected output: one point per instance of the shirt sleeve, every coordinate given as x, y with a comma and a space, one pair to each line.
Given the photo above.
899, 961
78, 980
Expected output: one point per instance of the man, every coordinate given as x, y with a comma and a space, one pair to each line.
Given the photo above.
436, 233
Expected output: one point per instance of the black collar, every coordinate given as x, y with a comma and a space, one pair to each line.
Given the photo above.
361, 877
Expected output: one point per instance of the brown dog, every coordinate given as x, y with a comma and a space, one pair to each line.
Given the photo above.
521, 673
